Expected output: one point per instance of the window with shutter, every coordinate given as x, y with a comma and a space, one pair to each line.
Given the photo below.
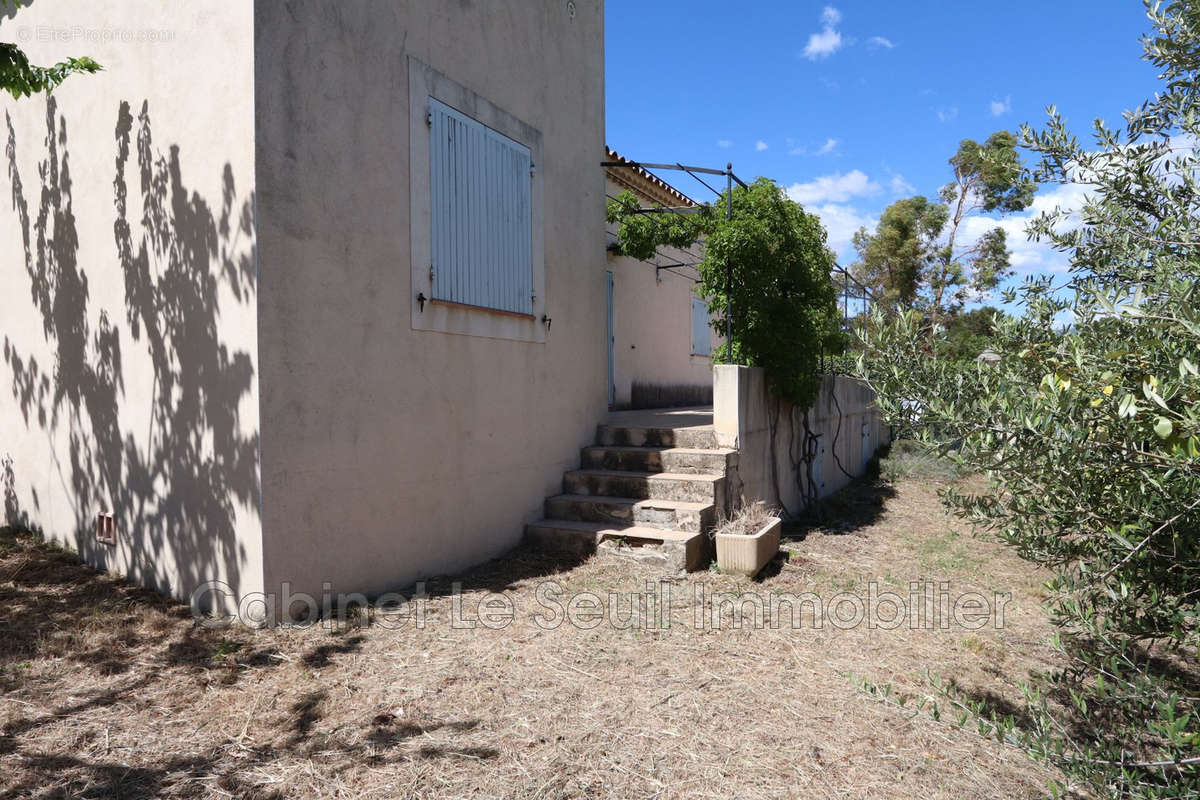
701, 333
481, 212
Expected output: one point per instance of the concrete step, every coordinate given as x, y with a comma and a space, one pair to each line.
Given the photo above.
701, 438
679, 515
672, 549
659, 459
692, 487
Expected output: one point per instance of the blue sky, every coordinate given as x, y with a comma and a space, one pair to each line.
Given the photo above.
853, 104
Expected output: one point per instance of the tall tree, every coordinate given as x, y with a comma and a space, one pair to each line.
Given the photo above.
916, 257
893, 259
987, 177
20, 78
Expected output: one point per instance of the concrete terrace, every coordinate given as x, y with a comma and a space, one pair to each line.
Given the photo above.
697, 417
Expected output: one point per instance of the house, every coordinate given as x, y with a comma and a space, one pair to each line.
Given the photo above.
307, 296
662, 339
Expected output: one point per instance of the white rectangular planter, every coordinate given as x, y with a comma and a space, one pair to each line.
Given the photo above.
746, 555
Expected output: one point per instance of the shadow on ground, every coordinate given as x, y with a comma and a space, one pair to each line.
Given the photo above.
849, 511
125, 646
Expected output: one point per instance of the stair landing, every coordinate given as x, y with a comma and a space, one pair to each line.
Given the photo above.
696, 417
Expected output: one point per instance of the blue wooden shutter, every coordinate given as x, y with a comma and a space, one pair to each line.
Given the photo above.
480, 197
701, 334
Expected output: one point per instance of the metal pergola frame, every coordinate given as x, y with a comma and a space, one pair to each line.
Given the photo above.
852, 287
695, 172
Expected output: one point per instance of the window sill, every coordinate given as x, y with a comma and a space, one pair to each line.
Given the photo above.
467, 306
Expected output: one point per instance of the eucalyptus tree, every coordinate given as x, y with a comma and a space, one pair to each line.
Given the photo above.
917, 257
893, 261
988, 178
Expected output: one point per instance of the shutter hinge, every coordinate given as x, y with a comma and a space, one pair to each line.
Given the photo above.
532, 169
428, 117
431, 273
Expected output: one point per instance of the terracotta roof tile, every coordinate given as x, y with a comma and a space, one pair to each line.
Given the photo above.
645, 183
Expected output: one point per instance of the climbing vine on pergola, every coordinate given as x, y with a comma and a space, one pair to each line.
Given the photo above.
765, 273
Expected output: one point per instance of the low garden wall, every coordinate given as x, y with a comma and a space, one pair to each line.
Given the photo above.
844, 431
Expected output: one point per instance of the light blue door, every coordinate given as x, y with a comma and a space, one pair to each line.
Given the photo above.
609, 336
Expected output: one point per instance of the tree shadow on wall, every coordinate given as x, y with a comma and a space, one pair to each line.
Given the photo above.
177, 485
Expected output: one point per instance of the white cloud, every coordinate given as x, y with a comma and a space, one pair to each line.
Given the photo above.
835, 188
823, 44
1001, 107
1070, 197
760, 145
900, 186
947, 114
828, 41
842, 219
1030, 257
798, 148
841, 223
880, 41
726, 143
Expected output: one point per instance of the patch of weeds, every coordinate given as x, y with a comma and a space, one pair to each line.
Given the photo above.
944, 552
892, 580
909, 459
224, 649
982, 647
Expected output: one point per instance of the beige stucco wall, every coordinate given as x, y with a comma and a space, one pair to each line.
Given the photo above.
130, 351
652, 316
746, 416
391, 453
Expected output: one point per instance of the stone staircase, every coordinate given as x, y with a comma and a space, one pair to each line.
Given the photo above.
647, 489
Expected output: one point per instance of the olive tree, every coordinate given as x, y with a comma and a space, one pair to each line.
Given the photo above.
1088, 426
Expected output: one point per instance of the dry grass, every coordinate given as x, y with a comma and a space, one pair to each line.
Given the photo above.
747, 520
107, 691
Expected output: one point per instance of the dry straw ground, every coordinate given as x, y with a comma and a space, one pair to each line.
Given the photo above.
107, 691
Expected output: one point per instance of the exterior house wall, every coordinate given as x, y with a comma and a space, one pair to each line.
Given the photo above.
652, 312
769, 434
130, 374
392, 448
